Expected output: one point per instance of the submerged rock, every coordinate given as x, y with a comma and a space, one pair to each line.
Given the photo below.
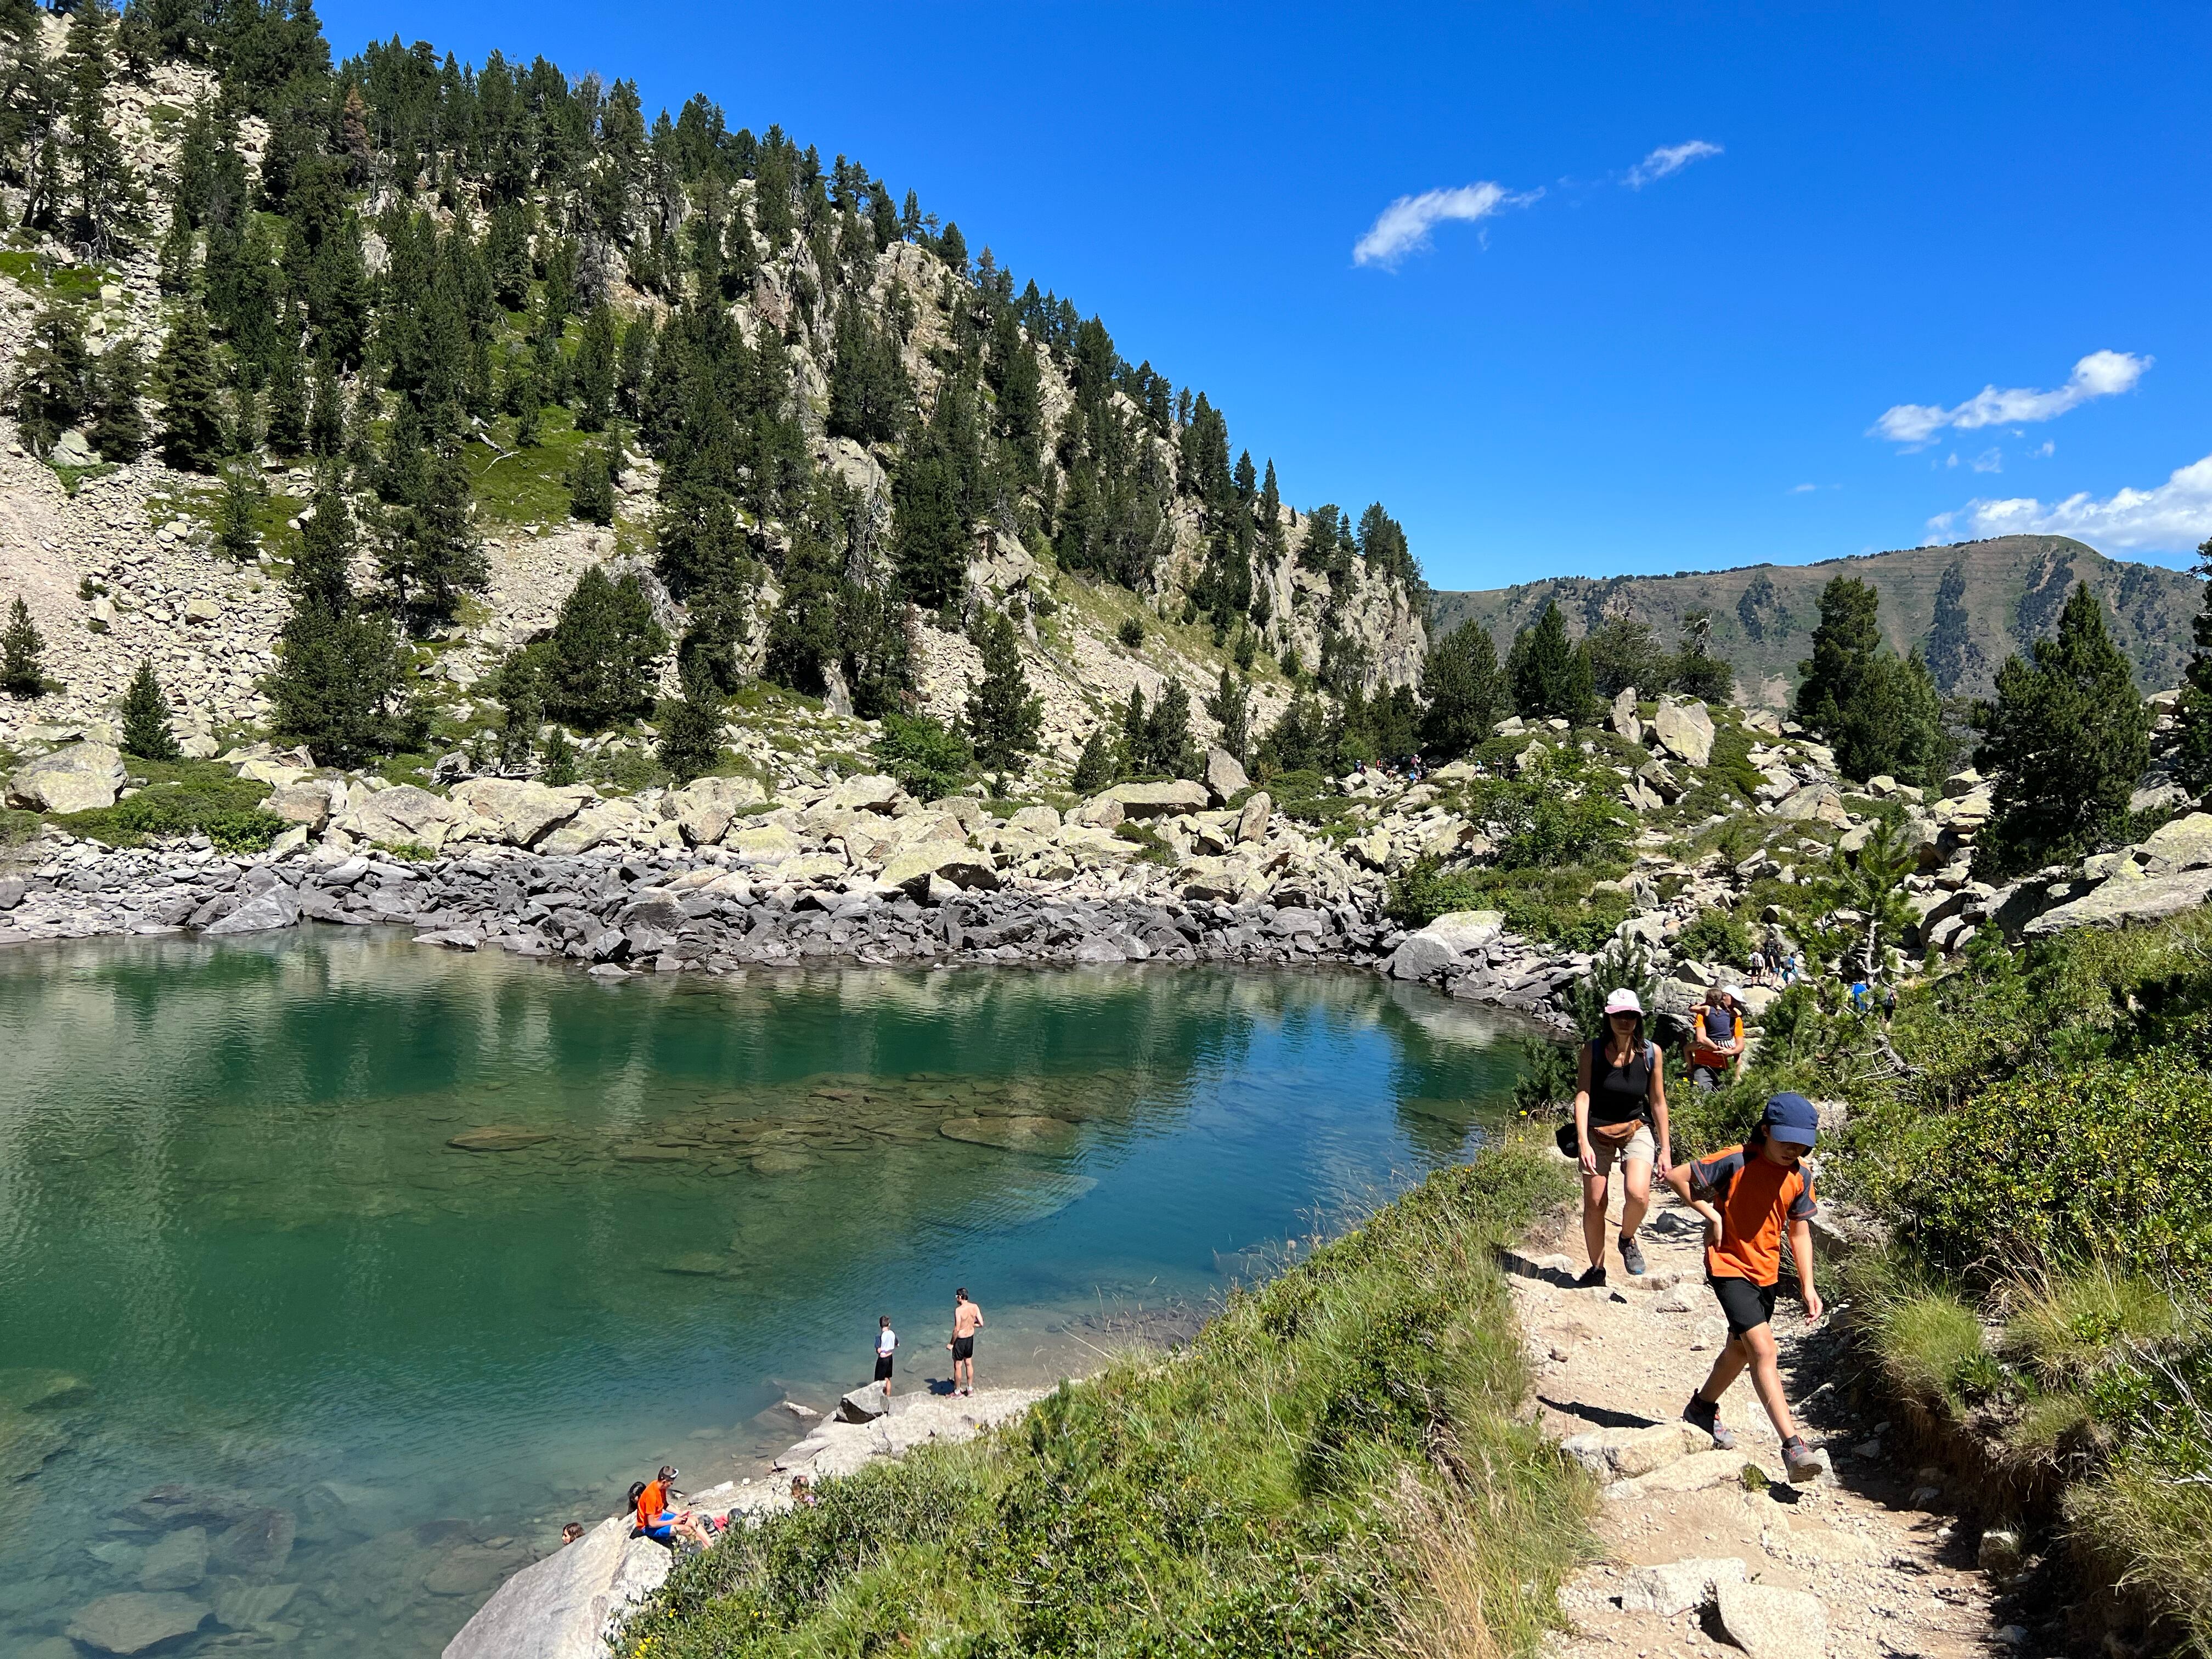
1012, 1134
135, 1620
498, 1137
175, 1562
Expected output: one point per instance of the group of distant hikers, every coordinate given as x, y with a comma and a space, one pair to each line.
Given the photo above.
656, 1508
1750, 1196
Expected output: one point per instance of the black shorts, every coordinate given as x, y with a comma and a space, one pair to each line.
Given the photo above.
963, 1347
1745, 1305
882, 1368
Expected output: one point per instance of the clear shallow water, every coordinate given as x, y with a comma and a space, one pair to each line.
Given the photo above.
231, 1210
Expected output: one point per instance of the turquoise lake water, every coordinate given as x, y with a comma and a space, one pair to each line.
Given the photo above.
382, 1369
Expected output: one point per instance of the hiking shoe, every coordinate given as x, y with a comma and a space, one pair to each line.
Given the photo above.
1703, 1414
1592, 1280
1632, 1255
1801, 1460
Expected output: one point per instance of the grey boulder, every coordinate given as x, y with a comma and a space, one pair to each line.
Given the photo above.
264, 912
565, 1607
75, 779
1768, 1623
135, 1620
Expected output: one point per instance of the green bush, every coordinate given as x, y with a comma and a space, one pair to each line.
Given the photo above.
1333, 1467
184, 798
1716, 935
929, 759
1553, 906
2110, 1161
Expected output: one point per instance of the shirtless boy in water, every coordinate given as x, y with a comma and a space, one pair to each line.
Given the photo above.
967, 1320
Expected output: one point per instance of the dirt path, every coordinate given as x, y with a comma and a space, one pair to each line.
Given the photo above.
1880, 1569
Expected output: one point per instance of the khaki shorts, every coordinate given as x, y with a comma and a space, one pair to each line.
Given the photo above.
1638, 1148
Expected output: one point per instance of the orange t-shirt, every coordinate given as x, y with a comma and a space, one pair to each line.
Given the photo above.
1755, 1196
652, 1501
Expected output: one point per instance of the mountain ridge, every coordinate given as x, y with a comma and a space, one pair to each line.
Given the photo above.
1968, 605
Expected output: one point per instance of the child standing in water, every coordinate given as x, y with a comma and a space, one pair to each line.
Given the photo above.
1749, 1195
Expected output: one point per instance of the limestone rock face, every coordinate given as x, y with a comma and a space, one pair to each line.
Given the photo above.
519, 813
135, 1620
1685, 730
75, 779
562, 1608
2119, 901
1252, 821
1815, 802
1157, 800
401, 816
278, 907
705, 808
864, 1405
1224, 776
964, 867
306, 803
871, 793
2183, 844
1624, 720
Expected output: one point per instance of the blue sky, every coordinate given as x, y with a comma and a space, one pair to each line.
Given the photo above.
1618, 366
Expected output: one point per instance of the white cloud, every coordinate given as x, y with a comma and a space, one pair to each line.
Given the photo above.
2048, 448
1403, 227
1668, 160
2099, 374
1990, 460
1802, 489
2174, 517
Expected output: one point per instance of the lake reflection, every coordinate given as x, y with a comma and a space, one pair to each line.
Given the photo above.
388, 1261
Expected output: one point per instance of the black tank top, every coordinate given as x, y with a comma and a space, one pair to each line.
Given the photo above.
1619, 1094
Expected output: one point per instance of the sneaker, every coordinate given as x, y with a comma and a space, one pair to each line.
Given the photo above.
1703, 1415
1801, 1460
1592, 1280
1632, 1255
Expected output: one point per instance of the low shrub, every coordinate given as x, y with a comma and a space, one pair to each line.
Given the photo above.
929, 759
185, 798
1715, 936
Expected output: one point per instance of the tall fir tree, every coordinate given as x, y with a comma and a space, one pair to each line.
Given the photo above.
54, 385
235, 536
2192, 759
431, 554
22, 662
119, 432
340, 682
692, 726
1465, 690
108, 208
191, 435
146, 717
1230, 706
1003, 717
1880, 712
1549, 677
2067, 736
1094, 767
604, 655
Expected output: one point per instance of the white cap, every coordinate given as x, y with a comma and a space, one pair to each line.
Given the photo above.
1624, 1001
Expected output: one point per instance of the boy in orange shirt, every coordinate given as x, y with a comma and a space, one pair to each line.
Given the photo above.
1749, 1195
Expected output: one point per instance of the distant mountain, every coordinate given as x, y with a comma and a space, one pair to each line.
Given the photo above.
1968, 606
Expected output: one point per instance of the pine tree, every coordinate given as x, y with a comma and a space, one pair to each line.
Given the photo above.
119, 432
558, 768
692, 726
1881, 714
192, 399
1695, 671
431, 554
591, 486
108, 206
1169, 748
595, 370
2193, 760
54, 389
326, 434
287, 395
23, 673
234, 532
1461, 679
2067, 736
1230, 706
1549, 678
1003, 718
605, 652
146, 717
1094, 767
340, 682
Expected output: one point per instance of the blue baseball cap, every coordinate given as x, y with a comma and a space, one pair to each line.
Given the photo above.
1792, 1118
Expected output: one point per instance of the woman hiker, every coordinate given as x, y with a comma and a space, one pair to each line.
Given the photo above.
1747, 1195
1620, 1103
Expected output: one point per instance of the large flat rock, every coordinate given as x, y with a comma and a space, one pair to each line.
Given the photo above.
2120, 900
75, 779
563, 1606
135, 1620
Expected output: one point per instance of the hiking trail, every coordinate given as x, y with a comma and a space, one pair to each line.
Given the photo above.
1700, 1558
